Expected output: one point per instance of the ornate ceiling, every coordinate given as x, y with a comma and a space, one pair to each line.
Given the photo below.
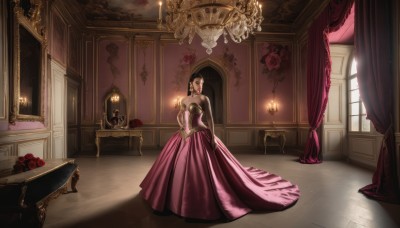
274, 11
280, 16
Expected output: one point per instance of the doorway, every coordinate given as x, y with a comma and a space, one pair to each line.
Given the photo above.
213, 89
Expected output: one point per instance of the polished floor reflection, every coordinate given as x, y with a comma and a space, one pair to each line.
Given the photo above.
109, 187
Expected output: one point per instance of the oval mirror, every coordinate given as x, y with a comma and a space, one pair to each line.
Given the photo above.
115, 115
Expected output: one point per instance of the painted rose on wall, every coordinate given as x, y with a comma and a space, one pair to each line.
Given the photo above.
276, 62
230, 62
183, 70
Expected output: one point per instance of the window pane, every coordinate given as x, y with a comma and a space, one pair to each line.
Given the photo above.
355, 108
353, 83
354, 123
363, 110
354, 96
365, 124
353, 69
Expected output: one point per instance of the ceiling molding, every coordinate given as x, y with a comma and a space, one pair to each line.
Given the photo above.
71, 11
308, 15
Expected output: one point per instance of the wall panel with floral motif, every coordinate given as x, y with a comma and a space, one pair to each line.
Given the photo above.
274, 73
236, 61
112, 69
174, 74
145, 82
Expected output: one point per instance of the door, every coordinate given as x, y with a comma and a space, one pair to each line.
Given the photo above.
58, 116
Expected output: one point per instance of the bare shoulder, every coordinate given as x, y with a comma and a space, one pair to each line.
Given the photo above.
185, 99
204, 98
205, 102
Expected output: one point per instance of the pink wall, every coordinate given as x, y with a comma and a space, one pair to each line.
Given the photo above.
113, 69
303, 91
153, 94
145, 82
237, 62
233, 59
74, 51
26, 126
277, 72
59, 39
88, 83
174, 76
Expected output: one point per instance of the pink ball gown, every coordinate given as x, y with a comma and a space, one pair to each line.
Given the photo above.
191, 180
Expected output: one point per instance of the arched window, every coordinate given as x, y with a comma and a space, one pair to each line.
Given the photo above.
357, 112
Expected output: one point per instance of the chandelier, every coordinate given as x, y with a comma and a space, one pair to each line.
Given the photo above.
212, 18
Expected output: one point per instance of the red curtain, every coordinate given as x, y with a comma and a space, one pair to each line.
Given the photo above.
375, 78
319, 71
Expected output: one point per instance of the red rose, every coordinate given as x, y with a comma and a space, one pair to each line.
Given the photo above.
40, 162
272, 61
21, 159
32, 164
138, 122
28, 156
135, 123
189, 59
19, 167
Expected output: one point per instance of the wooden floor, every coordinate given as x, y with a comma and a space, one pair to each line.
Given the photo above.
109, 187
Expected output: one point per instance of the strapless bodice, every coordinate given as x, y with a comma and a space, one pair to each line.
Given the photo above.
192, 118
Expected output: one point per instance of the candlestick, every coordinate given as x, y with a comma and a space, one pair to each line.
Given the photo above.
159, 11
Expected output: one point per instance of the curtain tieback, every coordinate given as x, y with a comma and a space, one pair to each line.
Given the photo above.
311, 132
387, 135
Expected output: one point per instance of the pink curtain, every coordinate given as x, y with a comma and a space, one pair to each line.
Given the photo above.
319, 70
375, 78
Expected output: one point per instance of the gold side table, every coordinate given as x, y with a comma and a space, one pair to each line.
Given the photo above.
275, 134
119, 133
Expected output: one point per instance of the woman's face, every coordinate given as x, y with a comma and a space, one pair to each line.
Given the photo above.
198, 85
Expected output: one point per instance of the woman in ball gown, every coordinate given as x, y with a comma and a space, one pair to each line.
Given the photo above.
196, 177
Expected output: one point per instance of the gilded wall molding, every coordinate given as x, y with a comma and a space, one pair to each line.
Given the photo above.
29, 12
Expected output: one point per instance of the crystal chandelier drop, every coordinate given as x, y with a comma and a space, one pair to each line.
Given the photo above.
212, 18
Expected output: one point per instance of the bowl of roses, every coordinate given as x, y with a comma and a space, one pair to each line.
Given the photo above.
27, 162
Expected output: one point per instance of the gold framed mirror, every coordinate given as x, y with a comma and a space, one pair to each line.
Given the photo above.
115, 111
28, 56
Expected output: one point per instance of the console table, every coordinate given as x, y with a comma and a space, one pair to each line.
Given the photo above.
275, 134
24, 196
119, 133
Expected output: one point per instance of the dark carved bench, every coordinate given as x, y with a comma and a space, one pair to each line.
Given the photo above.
24, 197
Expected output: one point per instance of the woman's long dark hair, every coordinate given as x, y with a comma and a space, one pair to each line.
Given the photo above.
191, 79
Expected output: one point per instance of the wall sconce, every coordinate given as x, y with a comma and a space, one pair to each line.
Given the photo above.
114, 98
272, 107
177, 102
23, 101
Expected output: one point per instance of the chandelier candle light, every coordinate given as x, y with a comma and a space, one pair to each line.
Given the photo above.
115, 98
272, 107
212, 18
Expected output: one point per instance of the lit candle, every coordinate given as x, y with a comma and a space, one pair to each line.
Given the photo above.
159, 10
